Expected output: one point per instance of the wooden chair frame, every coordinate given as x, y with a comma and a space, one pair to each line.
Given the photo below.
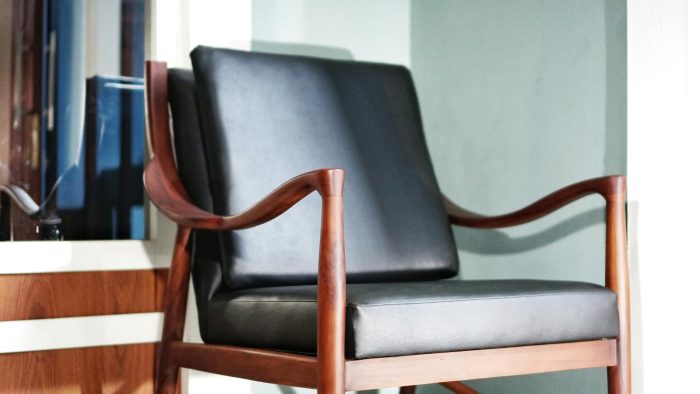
329, 371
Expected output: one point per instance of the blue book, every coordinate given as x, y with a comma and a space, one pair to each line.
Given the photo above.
115, 157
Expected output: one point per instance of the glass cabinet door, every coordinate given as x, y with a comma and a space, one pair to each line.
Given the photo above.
76, 142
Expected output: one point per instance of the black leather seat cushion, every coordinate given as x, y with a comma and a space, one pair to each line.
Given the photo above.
392, 319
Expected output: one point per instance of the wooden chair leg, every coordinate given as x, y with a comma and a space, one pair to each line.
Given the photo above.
459, 388
167, 374
617, 279
331, 293
619, 377
407, 390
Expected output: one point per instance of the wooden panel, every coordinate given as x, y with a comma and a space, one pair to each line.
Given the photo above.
477, 364
109, 369
161, 286
41, 296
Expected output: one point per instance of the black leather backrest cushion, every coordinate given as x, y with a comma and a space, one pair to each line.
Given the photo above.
187, 137
189, 151
267, 118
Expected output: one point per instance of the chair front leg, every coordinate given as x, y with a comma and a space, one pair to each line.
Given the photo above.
168, 374
331, 296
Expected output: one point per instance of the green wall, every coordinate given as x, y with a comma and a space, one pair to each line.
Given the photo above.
519, 98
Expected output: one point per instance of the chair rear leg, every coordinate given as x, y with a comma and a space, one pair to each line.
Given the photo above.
167, 373
407, 390
167, 380
619, 376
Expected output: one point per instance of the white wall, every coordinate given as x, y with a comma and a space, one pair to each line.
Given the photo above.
180, 25
177, 26
663, 142
103, 37
361, 30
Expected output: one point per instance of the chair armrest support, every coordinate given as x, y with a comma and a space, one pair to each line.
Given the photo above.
168, 194
164, 187
609, 187
614, 190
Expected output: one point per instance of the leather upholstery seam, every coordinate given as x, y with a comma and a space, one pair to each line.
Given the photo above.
416, 303
481, 299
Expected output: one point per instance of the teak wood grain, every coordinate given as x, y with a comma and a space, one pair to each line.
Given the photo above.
103, 369
328, 370
607, 187
478, 364
301, 371
69, 294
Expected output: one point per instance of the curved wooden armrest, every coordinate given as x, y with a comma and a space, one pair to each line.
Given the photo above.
613, 189
168, 194
610, 187
163, 184
21, 198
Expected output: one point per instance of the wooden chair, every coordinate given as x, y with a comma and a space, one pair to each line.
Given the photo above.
275, 307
